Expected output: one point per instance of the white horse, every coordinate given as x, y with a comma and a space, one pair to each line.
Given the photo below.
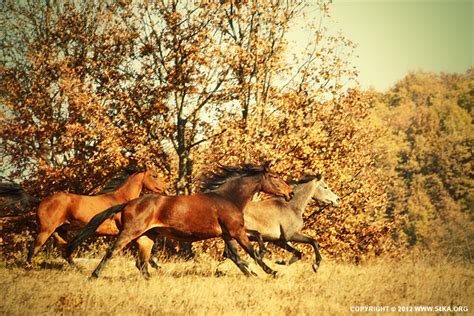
279, 222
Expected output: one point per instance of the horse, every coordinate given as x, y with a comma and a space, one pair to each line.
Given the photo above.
13, 198
278, 221
215, 211
66, 211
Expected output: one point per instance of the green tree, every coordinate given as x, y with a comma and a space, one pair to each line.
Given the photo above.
429, 150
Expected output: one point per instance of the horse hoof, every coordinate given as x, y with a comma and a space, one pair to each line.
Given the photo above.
293, 260
94, 276
315, 267
154, 265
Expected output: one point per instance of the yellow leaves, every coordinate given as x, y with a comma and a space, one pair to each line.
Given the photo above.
113, 95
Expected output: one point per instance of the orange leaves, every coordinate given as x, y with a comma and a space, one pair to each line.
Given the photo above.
65, 127
159, 84
333, 137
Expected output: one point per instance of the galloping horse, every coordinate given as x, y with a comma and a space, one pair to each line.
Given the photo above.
279, 221
72, 211
215, 212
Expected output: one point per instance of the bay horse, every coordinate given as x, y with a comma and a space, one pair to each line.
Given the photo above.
66, 211
279, 222
216, 211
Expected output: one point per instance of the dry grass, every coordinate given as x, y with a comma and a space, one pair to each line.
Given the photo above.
193, 288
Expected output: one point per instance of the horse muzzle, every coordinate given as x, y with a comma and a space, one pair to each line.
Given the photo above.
159, 191
288, 196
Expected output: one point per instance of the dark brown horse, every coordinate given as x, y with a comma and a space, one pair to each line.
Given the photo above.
14, 199
216, 212
71, 211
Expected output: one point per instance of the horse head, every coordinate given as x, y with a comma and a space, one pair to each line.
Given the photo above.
153, 182
323, 193
274, 184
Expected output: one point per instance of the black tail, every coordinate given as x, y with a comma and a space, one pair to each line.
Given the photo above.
91, 227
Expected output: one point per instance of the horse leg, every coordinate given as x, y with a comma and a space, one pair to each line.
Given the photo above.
244, 242
226, 253
153, 264
39, 241
48, 221
230, 250
60, 237
186, 250
119, 243
284, 245
154, 251
145, 244
256, 236
298, 237
231, 253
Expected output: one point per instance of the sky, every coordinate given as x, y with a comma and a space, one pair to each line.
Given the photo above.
398, 36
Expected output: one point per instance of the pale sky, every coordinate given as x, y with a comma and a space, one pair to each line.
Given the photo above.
395, 37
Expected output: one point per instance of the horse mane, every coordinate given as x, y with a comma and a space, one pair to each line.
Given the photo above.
214, 179
305, 179
119, 178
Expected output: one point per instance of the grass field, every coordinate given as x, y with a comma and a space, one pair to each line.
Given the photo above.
193, 287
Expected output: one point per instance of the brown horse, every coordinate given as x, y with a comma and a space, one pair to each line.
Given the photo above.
71, 211
215, 212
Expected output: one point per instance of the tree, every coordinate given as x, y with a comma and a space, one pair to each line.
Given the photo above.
300, 115
431, 142
91, 86
70, 111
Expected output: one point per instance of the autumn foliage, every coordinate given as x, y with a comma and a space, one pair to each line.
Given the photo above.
88, 87
428, 153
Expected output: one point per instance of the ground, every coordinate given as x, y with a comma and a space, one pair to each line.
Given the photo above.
205, 286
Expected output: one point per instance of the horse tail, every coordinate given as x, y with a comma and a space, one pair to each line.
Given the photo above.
92, 226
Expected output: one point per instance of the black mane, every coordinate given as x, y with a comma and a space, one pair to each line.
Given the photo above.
305, 179
215, 179
119, 178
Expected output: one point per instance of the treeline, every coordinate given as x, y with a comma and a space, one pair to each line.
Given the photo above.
429, 146
89, 87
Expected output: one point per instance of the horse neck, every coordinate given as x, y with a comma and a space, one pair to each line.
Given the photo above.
240, 191
303, 195
131, 188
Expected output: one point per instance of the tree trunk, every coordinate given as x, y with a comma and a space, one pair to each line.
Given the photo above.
181, 183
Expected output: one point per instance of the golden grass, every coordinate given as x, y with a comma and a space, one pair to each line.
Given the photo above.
193, 288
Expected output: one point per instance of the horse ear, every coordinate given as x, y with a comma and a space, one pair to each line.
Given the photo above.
132, 168
267, 165
319, 176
